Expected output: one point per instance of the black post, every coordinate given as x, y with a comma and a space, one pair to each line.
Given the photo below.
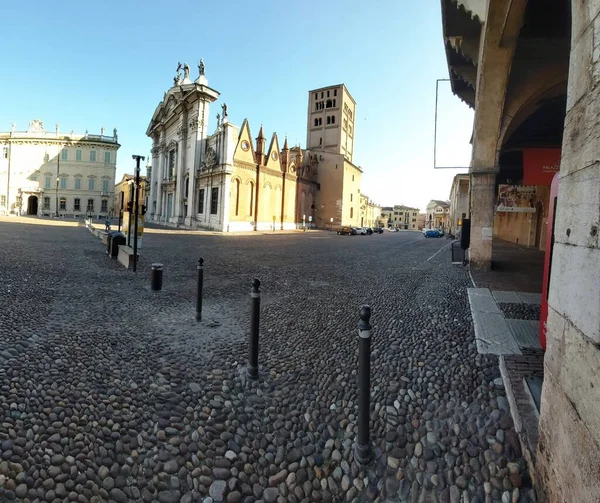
363, 446
199, 289
254, 328
121, 210
156, 277
136, 208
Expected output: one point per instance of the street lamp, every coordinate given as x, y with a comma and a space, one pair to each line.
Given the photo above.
57, 180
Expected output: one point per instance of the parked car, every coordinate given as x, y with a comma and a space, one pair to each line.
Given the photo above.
377, 230
346, 230
432, 233
368, 230
361, 231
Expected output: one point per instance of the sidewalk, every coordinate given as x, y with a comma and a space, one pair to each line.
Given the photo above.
505, 309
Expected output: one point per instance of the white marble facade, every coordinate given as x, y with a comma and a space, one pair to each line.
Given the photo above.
191, 168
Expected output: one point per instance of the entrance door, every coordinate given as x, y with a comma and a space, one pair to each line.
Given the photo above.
32, 205
538, 225
169, 205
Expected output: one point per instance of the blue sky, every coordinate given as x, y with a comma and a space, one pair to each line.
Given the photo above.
87, 65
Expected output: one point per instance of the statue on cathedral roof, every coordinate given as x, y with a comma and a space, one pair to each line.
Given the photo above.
201, 66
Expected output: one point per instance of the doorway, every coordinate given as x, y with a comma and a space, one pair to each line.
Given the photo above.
169, 205
32, 205
539, 223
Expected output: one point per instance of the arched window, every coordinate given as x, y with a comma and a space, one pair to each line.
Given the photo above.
333, 119
316, 122
237, 198
328, 104
251, 212
328, 119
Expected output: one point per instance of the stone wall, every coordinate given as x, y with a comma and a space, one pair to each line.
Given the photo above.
568, 457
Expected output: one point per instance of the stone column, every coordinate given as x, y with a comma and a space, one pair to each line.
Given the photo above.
482, 219
154, 186
159, 178
191, 164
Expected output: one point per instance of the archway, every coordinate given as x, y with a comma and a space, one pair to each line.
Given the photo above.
32, 205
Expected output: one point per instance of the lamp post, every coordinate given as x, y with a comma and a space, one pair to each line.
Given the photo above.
136, 204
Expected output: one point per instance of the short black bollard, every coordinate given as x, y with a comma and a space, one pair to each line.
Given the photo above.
254, 328
199, 289
363, 451
156, 277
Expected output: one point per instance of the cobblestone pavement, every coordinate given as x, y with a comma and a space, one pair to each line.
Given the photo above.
111, 392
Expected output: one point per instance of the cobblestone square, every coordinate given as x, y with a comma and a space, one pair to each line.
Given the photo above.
112, 392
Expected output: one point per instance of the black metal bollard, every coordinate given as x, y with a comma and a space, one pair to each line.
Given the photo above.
363, 451
199, 289
254, 329
156, 277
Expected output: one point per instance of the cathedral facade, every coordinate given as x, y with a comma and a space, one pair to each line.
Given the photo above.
222, 181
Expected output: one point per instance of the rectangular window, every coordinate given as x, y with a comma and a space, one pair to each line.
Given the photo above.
351, 197
78, 154
105, 186
333, 119
171, 164
316, 96
107, 157
90, 205
104, 208
92, 156
63, 204
201, 201
321, 94
46, 203
5, 152
77, 205
91, 184
214, 200
64, 155
320, 141
77, 183
63, 182
333, 103
48, 183
328, 94
335, 92
316, 122
328, 120
2, 200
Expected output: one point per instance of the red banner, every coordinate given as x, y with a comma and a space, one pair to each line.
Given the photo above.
540, 165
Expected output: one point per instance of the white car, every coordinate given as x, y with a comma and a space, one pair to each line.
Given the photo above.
361, 230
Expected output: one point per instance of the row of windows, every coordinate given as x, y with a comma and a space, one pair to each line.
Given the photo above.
63, 183
214, 200
330, 120
321, 105
64, 155
317, 94
62, 204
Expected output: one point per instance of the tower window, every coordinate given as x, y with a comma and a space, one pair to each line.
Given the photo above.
320, 141
329, 104
320, 121
316, 122
321, 94
335, 92
328, 119
328, 94
316, 95
333, 119
333, 103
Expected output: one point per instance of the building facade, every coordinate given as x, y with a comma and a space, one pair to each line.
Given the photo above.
530, 72
405, 217
438, 215
459, 202
421, 219
224, 180
46, 173
126, 187
330, 121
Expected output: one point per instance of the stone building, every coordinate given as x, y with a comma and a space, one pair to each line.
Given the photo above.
438, 213
229, 182
222, 181
57, 174
405, 217
459, 202
125, 187
530, 71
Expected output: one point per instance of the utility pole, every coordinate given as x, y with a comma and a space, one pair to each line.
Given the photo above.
136, 210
